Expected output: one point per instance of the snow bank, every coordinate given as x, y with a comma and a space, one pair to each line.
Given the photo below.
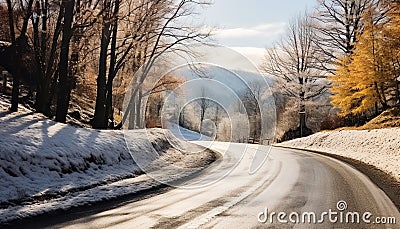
185, 134
379, 147
46, 165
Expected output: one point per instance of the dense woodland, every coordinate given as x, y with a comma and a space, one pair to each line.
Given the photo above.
89, 49
336, 65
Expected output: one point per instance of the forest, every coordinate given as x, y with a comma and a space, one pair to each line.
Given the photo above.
75, 58
72, 60
336, 66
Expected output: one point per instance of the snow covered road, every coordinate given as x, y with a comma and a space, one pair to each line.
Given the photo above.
227, 195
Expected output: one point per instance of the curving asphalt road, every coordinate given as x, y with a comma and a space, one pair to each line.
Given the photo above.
288, 181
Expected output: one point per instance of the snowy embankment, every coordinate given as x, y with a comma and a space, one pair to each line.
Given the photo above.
46, 166
185, 134
379, 147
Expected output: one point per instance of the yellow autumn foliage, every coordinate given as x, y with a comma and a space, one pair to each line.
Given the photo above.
368, 78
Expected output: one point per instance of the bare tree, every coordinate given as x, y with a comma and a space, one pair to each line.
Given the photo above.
338, 24
138, 32
165, 34
19, 48
204, 104
250, 99
65, 77
294, 63
109, 20
46, 48
124, 25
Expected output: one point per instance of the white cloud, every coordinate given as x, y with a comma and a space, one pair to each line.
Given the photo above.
263, 30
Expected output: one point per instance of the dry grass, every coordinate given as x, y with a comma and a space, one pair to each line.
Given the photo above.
388, 119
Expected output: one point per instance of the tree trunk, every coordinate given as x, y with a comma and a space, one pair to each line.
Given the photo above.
112, 69
11, 21
131, 113
51, 74
42, 97
99, 120
65, 77
15, 94
138, 109
109, 111
202, 114
109, 101
302, 114
20, 45
53, 90
398, 92
15, 89
4, 83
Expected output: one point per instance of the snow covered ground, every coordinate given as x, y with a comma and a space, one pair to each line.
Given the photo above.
185, 134
46, 165
379, 147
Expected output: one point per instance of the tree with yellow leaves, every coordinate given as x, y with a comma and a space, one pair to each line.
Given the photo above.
367, 79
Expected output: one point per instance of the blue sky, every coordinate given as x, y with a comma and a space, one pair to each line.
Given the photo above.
252, 25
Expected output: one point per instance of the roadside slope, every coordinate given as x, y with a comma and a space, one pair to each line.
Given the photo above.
46, 166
